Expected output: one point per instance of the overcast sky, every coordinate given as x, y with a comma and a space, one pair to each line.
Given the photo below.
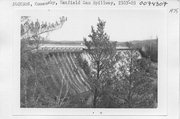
121, 24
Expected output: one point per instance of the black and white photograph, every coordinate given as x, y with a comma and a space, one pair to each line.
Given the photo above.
90, 59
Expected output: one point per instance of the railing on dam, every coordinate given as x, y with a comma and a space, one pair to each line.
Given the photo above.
70, 48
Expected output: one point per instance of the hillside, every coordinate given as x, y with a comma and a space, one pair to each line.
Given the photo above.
147, 48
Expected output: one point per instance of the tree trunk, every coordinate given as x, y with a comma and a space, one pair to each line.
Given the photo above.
129, 100
95, 97
130, 83
95, 90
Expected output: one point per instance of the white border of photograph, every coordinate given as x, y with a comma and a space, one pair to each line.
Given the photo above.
162, 80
